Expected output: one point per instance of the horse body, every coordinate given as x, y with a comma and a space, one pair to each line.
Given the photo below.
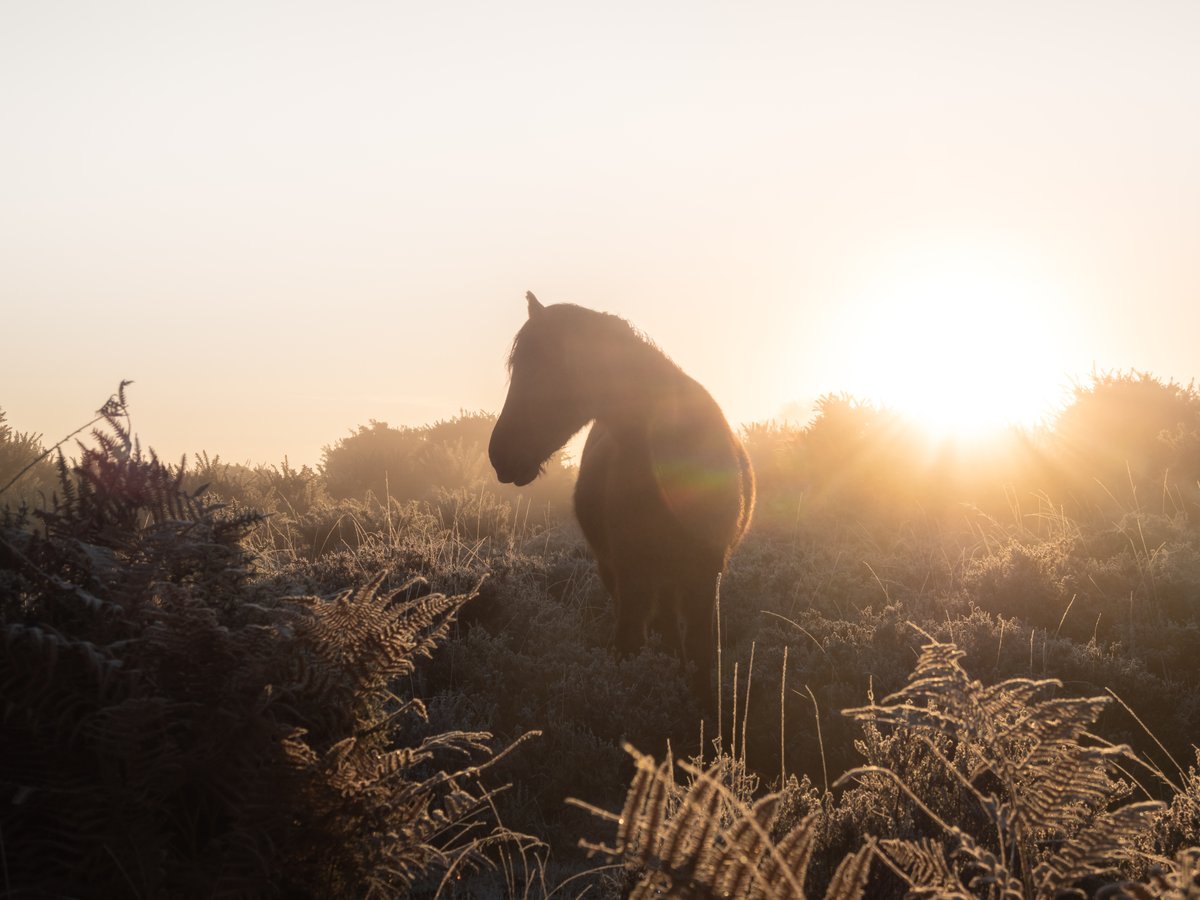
665, 489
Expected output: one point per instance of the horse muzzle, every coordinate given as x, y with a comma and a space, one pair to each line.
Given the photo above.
513, 464
516, 476
509, 471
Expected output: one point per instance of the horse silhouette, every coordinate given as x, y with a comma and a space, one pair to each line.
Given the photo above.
665, 489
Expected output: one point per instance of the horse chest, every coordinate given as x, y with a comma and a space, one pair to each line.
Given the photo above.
623, 513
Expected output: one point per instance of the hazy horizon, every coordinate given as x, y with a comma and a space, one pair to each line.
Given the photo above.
284, 221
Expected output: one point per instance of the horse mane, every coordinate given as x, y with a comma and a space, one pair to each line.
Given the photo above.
595, 324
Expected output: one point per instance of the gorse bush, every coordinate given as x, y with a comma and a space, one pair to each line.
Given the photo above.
172, 727
381, 482
415, 463
22, 468
1124, 441
1131, 431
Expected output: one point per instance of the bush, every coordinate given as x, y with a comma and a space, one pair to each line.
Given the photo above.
444, 458
174, 727
28, 478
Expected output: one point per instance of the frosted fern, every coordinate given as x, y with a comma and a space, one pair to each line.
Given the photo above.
701, 841
1026, 758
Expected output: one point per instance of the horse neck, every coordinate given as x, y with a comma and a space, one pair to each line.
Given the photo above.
629, 380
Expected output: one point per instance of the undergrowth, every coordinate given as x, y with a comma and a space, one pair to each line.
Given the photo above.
173, 727
221, 680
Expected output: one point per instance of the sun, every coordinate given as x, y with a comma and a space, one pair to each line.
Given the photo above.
960, 343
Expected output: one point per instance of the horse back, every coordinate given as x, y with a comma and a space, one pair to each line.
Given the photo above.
702, 471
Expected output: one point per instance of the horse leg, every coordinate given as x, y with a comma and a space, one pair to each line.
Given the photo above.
665, 618
632, 602
629, 631
607, 578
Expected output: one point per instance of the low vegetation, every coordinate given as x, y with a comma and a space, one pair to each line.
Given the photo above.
389, 676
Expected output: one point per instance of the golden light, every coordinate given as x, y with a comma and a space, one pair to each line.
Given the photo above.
961, 344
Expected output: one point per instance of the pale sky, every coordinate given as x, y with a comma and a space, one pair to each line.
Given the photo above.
282, 220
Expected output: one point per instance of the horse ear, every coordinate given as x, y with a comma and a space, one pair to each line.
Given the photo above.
535, 306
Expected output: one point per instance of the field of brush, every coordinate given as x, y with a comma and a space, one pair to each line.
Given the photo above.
968, 671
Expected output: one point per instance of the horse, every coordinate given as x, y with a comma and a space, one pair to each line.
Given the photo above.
665, 490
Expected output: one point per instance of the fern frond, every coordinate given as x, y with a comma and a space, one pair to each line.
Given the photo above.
747, 839
702, 841
924, 862
850, 880
1177, 879
794, 853
990, 876
370, 638
1096, 849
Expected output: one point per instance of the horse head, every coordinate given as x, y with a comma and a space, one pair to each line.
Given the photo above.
546, 397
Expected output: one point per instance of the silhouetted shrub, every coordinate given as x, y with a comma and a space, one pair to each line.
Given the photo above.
1126, 437
173, 727
413, 463
19, 453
